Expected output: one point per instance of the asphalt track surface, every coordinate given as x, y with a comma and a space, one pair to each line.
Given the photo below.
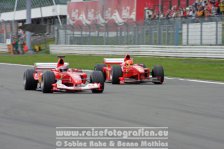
193, 111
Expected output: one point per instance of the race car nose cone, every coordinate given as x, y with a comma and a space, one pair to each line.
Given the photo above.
140, 69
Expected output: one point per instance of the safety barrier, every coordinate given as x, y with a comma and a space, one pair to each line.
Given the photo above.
3, 47
141, 50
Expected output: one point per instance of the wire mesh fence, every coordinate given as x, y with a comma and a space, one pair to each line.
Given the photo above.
178, 31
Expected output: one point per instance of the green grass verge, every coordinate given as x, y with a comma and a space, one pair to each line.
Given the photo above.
205, 69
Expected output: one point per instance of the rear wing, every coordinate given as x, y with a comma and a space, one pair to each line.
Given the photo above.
46, 66
109, 61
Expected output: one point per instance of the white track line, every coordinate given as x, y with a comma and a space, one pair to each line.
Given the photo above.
194, 80
169, 78
16, 65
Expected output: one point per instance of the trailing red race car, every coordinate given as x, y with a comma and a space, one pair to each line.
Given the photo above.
121, 70
50, 77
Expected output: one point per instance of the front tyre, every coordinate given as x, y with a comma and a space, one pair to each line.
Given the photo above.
47, 81
99, 67
116, 74
29, 82
97, 77
158, 72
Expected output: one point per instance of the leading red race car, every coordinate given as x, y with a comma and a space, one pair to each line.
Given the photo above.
50, 77
123, 70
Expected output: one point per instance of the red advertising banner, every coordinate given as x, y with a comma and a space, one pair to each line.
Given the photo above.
102, 12
118, 12
82, 13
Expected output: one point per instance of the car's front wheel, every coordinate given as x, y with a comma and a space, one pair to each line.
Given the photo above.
47, 81
158, 72
116, 74
99, 67
97, 77
29, 82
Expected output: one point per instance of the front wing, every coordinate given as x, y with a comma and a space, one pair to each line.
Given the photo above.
132, 80
90, 86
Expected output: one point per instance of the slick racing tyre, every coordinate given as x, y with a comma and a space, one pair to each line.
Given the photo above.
99, 67
158, 72
116, 74
47, 81
97, 77
28, 79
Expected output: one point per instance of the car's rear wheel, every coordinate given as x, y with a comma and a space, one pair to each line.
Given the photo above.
29, 82
97, 77
158, 72
99, 67
116, 74
47, 81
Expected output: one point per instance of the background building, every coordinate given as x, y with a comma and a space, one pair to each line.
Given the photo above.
43, 11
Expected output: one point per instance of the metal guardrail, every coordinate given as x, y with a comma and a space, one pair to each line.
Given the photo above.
3, 48
141, 50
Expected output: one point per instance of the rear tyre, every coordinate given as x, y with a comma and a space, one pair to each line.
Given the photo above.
99, 67
48, 80
116, 74
158, 72
97, 77
28, 79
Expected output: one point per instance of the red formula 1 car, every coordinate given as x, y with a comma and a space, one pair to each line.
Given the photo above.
50, 77
121, 70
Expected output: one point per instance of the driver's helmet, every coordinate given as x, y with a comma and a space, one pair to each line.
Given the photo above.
127, 57
129, 62
63, 68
